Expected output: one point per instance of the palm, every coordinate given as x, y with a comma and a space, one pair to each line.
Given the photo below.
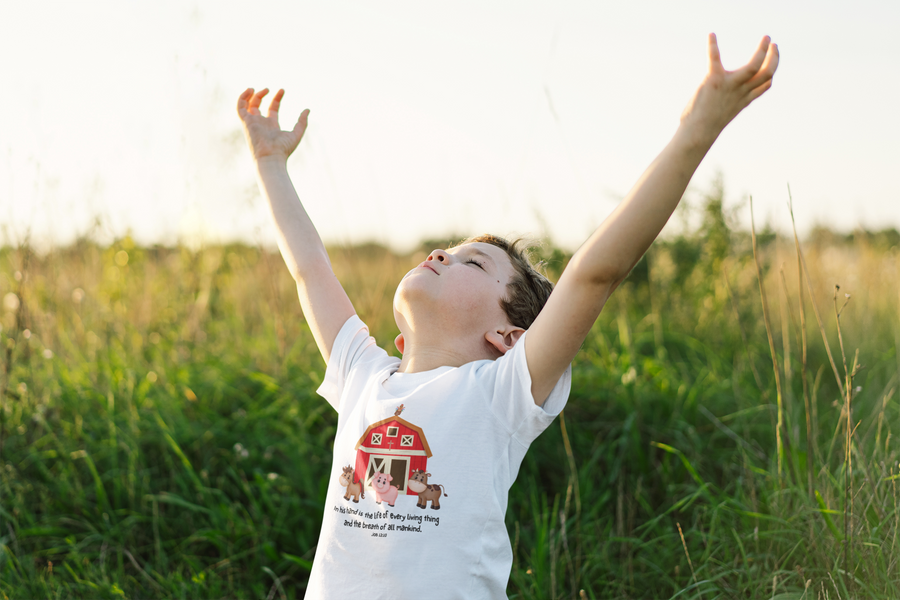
264, 134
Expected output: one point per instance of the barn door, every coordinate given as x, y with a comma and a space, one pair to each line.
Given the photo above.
400, 472
376, 465
396, 466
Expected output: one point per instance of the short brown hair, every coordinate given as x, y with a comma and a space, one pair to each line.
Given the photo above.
528, 289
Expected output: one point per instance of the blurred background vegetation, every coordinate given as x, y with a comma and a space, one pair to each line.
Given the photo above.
160, 435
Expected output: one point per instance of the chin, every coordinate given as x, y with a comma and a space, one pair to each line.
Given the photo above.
411, 292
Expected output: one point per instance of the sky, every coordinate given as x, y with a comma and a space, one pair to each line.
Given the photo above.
430, 120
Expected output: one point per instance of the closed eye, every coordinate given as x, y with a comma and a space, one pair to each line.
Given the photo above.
476, 263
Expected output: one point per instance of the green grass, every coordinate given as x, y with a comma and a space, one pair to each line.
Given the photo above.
161, 435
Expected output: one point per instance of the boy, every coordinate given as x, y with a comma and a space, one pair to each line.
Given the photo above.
427, 446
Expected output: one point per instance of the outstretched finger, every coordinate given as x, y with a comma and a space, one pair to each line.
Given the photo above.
275, 104
715, 59
749, 70
256, 100
772, 58
243, 102
767, 70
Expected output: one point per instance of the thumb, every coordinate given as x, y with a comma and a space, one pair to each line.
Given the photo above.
300, 126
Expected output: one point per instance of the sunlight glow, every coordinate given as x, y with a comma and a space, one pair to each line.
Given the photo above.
429, 121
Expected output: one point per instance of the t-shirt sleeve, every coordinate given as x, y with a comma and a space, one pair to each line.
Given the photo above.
352, 348
511, 399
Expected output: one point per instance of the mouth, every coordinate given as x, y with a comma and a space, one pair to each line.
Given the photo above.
430, 268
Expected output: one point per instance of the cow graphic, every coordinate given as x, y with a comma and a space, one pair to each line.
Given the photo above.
419, 483
354, 488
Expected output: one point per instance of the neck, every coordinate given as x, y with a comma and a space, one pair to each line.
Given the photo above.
428, 359
424, 355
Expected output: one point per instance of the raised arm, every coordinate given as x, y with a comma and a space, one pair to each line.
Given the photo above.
322, 298
609, 254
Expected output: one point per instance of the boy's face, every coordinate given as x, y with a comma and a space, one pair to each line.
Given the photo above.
457, 291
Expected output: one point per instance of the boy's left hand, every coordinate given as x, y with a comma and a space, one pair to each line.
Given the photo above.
723, 94
609, 254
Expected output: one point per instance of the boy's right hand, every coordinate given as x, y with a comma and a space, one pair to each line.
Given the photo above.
324, 302
264, 135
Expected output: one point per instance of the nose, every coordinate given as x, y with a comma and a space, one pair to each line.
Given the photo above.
440, 256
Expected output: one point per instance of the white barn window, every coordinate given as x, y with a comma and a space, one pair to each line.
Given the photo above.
376, 438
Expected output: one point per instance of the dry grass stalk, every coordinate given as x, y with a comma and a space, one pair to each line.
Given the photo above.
896, 535
812, 301
737, 318
803, 349
572, 490
686, 553
884, 402
779, 441
848, 464
787, 321
565, 542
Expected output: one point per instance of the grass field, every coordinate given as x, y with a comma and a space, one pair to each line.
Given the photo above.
161, 436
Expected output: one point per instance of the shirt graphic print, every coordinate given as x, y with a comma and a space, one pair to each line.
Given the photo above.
393, 454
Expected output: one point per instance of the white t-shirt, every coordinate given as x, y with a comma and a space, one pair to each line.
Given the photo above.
441, 449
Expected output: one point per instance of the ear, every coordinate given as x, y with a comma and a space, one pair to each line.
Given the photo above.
398, 341
504, 339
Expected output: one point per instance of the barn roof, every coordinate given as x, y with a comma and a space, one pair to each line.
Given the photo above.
403, 422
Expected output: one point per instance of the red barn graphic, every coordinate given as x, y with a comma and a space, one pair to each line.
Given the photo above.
393, 446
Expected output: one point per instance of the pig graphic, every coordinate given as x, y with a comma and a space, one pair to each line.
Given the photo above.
383, 489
